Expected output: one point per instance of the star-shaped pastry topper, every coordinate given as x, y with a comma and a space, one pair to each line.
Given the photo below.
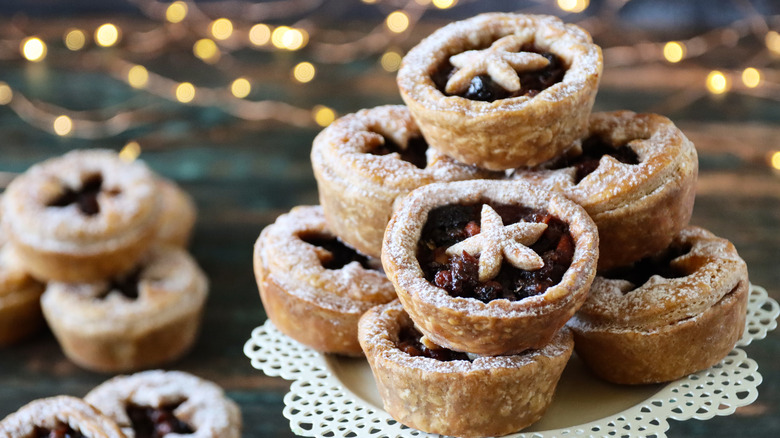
496, 241
501, 61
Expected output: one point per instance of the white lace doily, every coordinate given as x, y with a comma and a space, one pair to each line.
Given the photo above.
328, 396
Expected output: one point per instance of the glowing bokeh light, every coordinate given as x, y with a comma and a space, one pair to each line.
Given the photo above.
391, 61
575, 6
717, 82
63, 125
674, 51
138, 76
222, 28
323, 115
260, 34
75, 39
107, 35
751, 77
444, 4
6, 94
304, 72
241, 88
185, 92
397, 21
33, 49
130, 152
206, 50
176, 12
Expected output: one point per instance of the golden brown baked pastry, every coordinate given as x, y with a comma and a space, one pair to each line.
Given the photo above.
177, 216
490, 267
314, 288
84, 216
138, 320
59, 416
670, 315
502, 90
364, 161
456, 394
20, 309
630, 172
167, 402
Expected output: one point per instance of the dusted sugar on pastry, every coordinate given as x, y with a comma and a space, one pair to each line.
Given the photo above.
635, 175
669, 315
141, 319
167, 403
177, 216
441, 391
364, 161
20, 309
314, 287
61, 416
502, 90
490, 267
84, 216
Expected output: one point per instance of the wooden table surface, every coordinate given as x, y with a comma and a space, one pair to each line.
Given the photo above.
244, 174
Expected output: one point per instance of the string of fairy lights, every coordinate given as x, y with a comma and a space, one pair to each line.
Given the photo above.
217, 30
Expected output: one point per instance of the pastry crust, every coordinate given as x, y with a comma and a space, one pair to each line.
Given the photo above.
64, 244
666, 328
358, 189
48, 413
177, 216
488, 396
114, 333
512, 132
499, 326
315, 306
202, 405
655, 196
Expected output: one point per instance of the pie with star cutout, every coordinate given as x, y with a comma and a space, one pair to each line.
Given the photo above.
527, 80
489, 267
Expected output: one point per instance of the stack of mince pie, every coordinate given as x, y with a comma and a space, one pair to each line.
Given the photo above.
100, 243
514, 227
150, 404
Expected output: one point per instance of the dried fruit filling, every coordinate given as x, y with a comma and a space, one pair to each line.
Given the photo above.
593, 148
151, 422
60, 431
85, 198
340, 254
126, 285
483, 88
659, 264
413, 153
459, 274
409, 341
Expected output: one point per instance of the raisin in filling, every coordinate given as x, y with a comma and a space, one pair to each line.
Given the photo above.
85, 198
409, 342
483, 88
659, 264
459, 275
151, 422
127, 285
341, 254
593, 148
59, 431
414, 152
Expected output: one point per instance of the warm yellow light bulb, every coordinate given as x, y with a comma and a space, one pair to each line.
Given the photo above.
222, 28
185, 92
6, 94
260, 34
75, 39
323, 115
176, 12
107, 35
277, 36
444, 4
138, 76
206, 50
304, 72
575, 6
391, 61
674, 51
751, 77
775, 160
33, 49
130, 152
717, 82
292, 39
772, 41
63, 125
397, 21
241, 88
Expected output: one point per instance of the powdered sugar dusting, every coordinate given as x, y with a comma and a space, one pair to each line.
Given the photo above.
48, 413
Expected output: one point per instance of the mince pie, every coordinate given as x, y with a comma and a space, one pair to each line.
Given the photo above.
631, 172
84, 216
445, 392
669, 315
314, 287
502, 90
490, 267
177, 216
154, 404
364, 161
140, 319
59, 417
